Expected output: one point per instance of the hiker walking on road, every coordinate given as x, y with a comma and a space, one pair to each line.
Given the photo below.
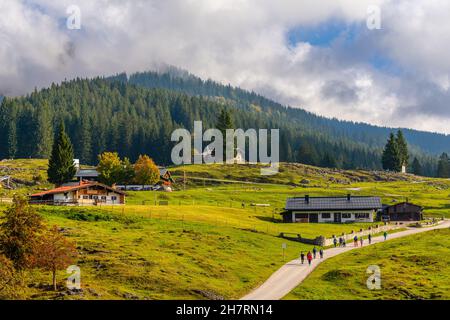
309, 257
302, 257
361, 241
355, 241
335, 241
314, 252
341, 242
385, 235
321, 253
344, 243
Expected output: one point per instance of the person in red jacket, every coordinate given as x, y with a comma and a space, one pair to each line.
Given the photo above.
309, 257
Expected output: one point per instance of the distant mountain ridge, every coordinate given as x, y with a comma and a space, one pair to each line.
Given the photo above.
372, 135
136, 114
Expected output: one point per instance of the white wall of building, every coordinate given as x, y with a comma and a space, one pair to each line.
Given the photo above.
346, 216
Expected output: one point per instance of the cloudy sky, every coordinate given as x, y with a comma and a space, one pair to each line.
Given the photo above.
319, 55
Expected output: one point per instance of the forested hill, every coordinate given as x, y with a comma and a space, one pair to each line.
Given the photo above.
373, 136
124, 115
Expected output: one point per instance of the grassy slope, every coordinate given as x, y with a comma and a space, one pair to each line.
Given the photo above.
146, 253
414, 267
158, 259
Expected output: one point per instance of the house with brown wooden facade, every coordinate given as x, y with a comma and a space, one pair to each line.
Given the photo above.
403, 211
81, 193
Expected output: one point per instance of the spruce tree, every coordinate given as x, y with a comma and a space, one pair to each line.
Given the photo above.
443, 170
44, 131
61, 168
416, 167
224, 122
12, 139
328, 161
402, 148
307, 153
391, 155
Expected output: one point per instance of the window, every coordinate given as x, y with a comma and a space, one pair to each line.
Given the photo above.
346, 215
85, 197
103, 197
113, 198
95, 197
301, 215
361, 215
326, 215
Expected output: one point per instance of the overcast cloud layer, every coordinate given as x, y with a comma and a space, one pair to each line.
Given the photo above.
396, 76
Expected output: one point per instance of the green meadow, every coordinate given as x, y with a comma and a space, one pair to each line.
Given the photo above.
206, 239
414, 267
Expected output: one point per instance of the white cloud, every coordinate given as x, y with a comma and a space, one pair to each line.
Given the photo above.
244, 42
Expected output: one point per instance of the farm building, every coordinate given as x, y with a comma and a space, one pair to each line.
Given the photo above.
403, 211
331, 209
83, 193
92, 175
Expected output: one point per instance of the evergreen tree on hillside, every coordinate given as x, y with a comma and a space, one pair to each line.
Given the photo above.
61, 168
84, 135
416, 167
307, 153
224, 122
402, 148
328, 161
44, 131
12, 140
391, 155
443, 170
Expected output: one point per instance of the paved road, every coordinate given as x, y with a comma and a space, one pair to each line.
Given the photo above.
289, 276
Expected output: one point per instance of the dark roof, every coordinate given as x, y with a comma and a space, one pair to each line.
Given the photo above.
86, 173
402, 204
333, 203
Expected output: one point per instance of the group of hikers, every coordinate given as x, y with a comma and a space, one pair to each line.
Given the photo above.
310, 256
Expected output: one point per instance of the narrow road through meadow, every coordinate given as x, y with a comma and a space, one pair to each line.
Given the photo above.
289, 276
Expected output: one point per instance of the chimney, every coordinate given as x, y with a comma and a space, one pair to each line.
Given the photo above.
307, 198
349, 196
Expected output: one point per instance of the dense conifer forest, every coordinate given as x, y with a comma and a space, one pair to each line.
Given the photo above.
136, 115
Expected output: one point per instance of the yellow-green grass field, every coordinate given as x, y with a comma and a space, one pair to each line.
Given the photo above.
413, 267
126, 257
208, 241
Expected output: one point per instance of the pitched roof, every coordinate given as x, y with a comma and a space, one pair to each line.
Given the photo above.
404, 203
87, 173
333, 203
82, 185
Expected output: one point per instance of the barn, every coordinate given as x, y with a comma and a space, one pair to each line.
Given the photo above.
403, 211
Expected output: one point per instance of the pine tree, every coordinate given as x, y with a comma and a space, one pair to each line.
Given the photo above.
12, 139
224, 122
85, 147
61, 168
443, 170
416, 167
328, 161
44, 132
402, 148
391, 155
307, 154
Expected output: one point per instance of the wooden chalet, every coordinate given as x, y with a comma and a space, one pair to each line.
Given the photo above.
403, 211
82, 193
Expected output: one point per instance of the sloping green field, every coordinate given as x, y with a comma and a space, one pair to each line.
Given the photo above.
414, 267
